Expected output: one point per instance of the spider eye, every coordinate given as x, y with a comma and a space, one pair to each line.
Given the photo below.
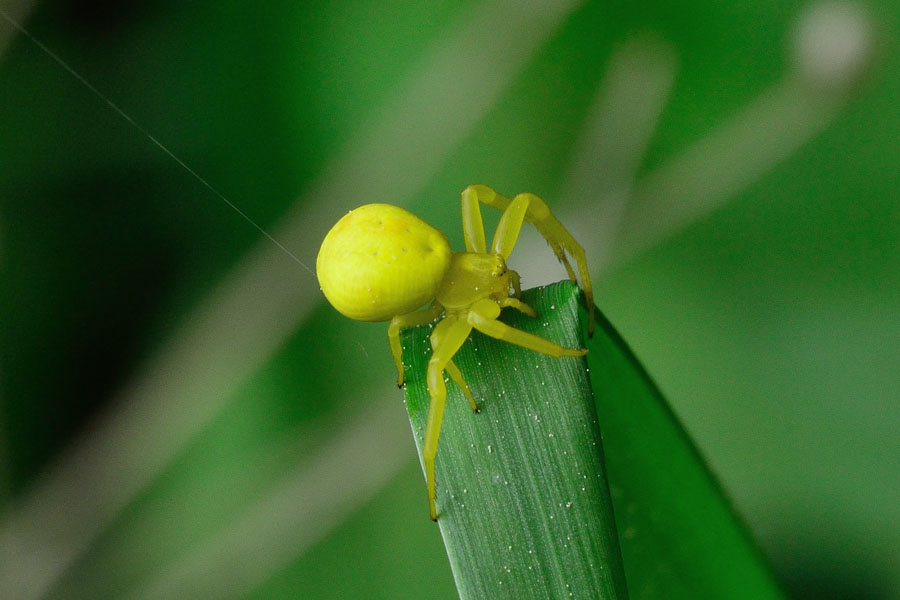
499, 268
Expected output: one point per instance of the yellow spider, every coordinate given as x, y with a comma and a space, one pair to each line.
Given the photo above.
381, 262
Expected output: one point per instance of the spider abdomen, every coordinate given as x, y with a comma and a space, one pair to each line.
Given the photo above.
380, 261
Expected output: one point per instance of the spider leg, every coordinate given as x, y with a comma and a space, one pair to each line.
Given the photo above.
483, 317
516, 283
408, 320
457, 377
509, 226
473, 227
446, 339
561, 256
518, 305
561, 241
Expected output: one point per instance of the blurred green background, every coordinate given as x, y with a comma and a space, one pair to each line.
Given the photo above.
182, 416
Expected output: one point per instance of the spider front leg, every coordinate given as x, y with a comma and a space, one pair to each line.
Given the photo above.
408, 320
473, 227
518, 305
535, 211
446, 340
483, 317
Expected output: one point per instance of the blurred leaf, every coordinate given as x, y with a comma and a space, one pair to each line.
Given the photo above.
680, 537
787, 300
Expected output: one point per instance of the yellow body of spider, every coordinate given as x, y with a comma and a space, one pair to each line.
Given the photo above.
381, 262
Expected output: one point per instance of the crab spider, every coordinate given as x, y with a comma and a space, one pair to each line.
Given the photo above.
382, 263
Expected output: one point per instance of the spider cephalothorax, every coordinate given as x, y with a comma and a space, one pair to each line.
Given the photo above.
381, 262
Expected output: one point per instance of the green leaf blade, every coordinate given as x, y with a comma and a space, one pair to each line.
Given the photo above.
523, 502
501, 477
680, 537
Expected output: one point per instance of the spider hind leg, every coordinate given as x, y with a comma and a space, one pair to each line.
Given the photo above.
408, 320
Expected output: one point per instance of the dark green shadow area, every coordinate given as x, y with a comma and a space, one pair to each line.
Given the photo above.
680, 536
